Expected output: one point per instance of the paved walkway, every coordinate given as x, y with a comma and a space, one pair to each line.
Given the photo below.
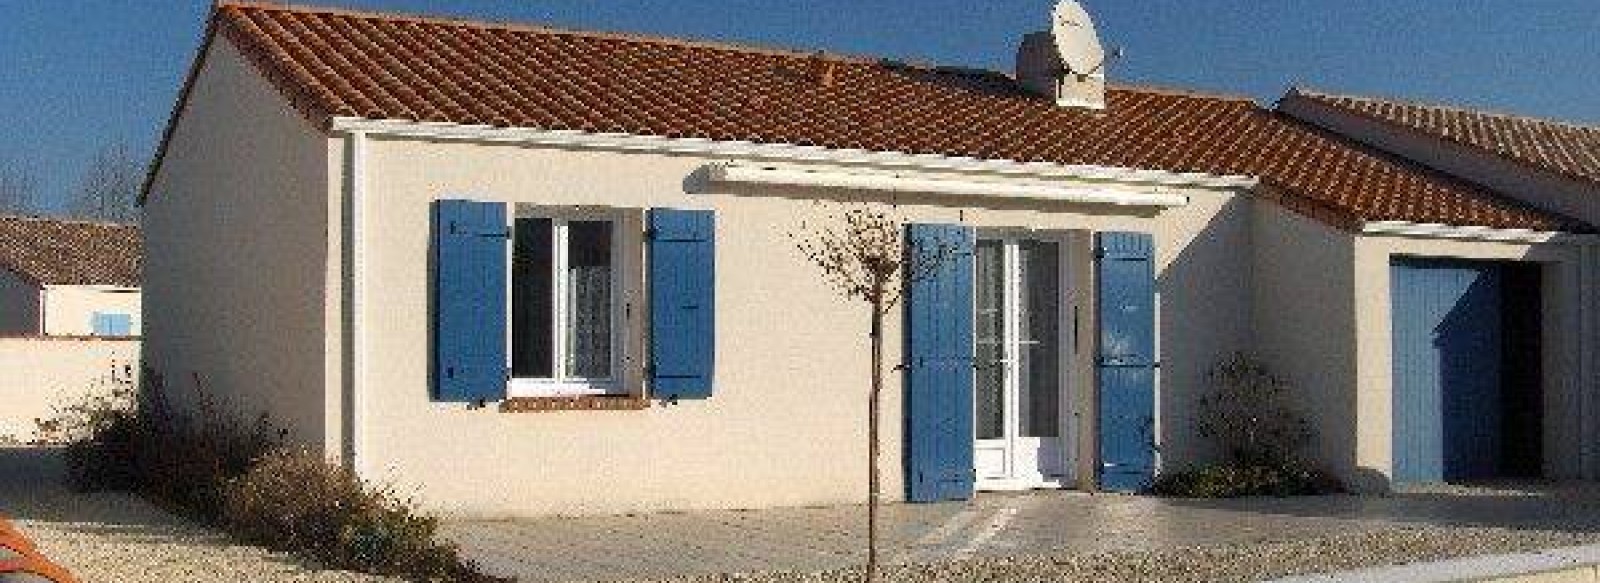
663, 545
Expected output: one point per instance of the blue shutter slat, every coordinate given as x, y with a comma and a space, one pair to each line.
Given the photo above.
682, 276
111, 324
1126, 361
469, 292
939, 426
120, 324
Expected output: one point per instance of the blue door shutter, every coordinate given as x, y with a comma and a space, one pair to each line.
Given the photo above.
682, 276
1447, 327
469, 294
939, 434
1126, 360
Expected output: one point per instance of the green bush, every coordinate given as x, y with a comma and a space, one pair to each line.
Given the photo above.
1234, 481
295, 501
1250, 417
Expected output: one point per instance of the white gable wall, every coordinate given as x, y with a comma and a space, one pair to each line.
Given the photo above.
237, 254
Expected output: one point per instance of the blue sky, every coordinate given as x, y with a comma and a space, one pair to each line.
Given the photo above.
76, 74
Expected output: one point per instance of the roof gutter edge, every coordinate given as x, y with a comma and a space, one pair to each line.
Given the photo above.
744, 150
722, 172
1475, 233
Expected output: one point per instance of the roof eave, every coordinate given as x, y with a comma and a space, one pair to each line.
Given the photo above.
1475, 233
781, 152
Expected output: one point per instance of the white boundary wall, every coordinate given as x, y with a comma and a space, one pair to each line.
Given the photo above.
40, 374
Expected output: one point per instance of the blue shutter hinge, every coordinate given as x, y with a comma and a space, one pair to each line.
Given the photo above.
458, 229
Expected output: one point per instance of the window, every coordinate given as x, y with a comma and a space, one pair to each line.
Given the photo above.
111, 324
564, 305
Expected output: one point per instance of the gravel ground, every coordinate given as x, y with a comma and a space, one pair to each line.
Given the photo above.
117, 538
1228, 563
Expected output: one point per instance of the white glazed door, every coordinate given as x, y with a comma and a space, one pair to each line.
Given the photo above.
1019, 382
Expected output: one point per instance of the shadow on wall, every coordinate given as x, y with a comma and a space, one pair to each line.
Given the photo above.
1204, 316
698, 182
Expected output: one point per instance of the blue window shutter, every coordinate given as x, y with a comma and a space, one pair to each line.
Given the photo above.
682, 274
119, 324
939, 311
1126, 360
111, 324
469, 294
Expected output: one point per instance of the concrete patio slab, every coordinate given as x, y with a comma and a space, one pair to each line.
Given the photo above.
807, 539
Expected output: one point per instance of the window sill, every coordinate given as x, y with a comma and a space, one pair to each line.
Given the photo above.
575, 403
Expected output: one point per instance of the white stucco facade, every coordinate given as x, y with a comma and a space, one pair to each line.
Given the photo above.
289, 269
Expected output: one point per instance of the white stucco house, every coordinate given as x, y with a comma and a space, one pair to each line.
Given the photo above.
535, 271
68, 278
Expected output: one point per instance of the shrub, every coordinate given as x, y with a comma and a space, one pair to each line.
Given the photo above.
98, 434
294, 500
219, 468
1233, 481
185, 457
1261, 435
130, 438
1248, 416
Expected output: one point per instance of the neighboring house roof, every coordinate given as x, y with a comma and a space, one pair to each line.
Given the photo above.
338, 63
63, 252
1567, 149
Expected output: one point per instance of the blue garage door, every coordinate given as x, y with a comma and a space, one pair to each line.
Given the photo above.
1447, 322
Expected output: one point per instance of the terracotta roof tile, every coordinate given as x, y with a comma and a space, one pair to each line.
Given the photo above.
1568, 149
383, 66
62, 252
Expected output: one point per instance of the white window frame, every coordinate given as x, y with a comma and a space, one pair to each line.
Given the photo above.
559, 384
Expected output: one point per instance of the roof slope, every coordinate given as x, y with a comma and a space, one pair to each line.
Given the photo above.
1567, 149
60, 252
337, 63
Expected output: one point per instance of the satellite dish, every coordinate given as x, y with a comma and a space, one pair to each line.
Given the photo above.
1076, 39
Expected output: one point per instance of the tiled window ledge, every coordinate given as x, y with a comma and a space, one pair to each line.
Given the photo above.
578, 403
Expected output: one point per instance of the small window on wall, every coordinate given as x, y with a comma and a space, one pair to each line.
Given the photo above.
565, 298
111, 324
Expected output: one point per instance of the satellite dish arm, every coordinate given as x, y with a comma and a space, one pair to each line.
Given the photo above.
1116, 53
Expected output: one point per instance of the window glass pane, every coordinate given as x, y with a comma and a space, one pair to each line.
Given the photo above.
532, 298
989, 385
588, 289
1039, 264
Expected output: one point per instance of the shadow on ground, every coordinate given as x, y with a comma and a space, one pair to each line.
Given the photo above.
1529, 505
120, 537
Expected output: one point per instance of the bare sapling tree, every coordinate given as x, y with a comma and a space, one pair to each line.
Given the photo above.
19, 187
864, 255
109, 188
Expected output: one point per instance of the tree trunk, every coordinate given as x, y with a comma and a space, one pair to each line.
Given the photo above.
872, 440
